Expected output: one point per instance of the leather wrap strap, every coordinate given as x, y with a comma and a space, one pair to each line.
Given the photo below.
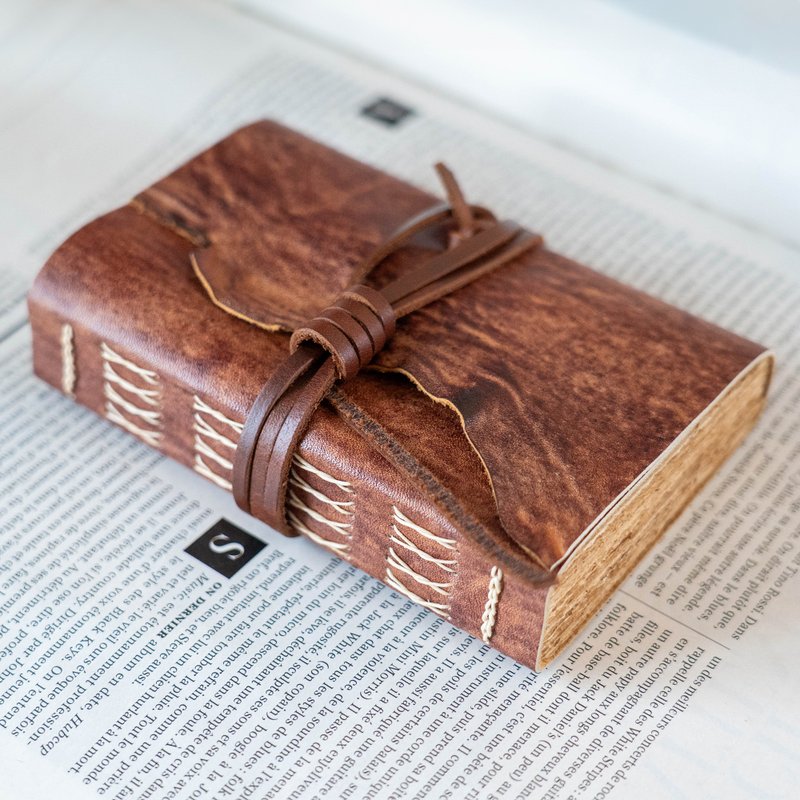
344, 337
352, 330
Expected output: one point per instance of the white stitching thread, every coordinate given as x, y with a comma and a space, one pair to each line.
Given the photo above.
204, 408
68, 372
204, 429
402, 519
147, 421
209, 466
203, 469
340, 548
146, 374
309, 467
340, 506
149, 396
203, 449
492, 601
150, 416
401, 539
343, 507
149, 437
395, 564
295, 501
391, 580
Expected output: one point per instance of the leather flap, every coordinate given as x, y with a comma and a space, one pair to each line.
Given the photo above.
568, 384
283, 222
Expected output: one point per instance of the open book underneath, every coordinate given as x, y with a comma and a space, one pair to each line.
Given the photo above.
543, 420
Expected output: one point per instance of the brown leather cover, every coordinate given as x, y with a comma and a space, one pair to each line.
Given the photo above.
495, 426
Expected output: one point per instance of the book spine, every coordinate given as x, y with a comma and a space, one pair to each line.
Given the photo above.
390, 535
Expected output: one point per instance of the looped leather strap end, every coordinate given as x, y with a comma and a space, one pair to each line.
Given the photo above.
352, 331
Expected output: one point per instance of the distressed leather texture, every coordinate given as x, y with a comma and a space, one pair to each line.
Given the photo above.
501, 419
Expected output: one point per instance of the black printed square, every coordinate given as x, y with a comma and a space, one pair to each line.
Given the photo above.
387, 111
225, 548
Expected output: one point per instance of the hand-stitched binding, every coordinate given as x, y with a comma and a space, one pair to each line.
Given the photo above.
332, 532
397, 566
492, 601
209, 440
139, 411
68, 371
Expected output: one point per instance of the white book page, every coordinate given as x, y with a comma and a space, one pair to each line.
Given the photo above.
299, 674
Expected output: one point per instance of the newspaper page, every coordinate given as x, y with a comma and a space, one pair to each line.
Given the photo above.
131, 669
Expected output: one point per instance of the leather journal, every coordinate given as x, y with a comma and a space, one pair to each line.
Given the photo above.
495, 431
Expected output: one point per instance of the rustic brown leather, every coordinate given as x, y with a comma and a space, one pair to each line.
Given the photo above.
344, 338
566, 383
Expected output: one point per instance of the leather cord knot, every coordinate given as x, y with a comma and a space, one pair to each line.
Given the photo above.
353, 330
347, 335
